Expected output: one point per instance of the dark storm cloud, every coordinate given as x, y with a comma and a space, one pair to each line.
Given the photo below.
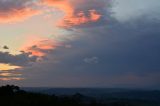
126, 55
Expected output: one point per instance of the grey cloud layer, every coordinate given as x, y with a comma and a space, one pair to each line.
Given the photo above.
11, 5
136, 8
128, 56
22, 59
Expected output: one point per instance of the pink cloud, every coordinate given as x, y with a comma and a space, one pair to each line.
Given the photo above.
73, 17
39, 46
17, 15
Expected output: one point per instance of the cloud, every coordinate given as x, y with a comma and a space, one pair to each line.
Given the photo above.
78, 13
74, 15
10, 75
34, 50
80, 19
128, 53
14, 11
10, 65
7, 67
136, 8
11, 79
5, 47
39, 46
22, 59
6, 74
92, 60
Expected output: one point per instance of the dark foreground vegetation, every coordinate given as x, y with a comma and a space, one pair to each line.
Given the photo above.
11, 95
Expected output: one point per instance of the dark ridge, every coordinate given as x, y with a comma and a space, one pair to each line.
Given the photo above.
11, 95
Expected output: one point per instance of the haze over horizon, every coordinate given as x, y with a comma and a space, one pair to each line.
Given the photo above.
80, 43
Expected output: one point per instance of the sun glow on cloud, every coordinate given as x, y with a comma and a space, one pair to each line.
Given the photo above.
17, 15
11, 78
6, 74
38, 46
33, 46
80, 18
6, 67
71, 16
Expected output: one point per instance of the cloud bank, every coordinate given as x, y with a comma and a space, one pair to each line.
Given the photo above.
108, 52
11, 11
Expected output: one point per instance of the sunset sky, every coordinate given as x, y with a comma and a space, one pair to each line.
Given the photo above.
80, 43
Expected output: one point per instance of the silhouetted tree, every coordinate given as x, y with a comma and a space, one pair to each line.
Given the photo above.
8, 90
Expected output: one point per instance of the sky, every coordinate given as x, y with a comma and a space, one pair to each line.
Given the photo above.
80, 43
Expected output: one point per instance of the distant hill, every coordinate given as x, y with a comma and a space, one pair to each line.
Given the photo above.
11, 95
103, 94
94, 91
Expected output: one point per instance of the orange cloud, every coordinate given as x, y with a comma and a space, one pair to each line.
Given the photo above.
9, 74
17, 15
6, 74
63, 5
38, 46
72, 17
13, 78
